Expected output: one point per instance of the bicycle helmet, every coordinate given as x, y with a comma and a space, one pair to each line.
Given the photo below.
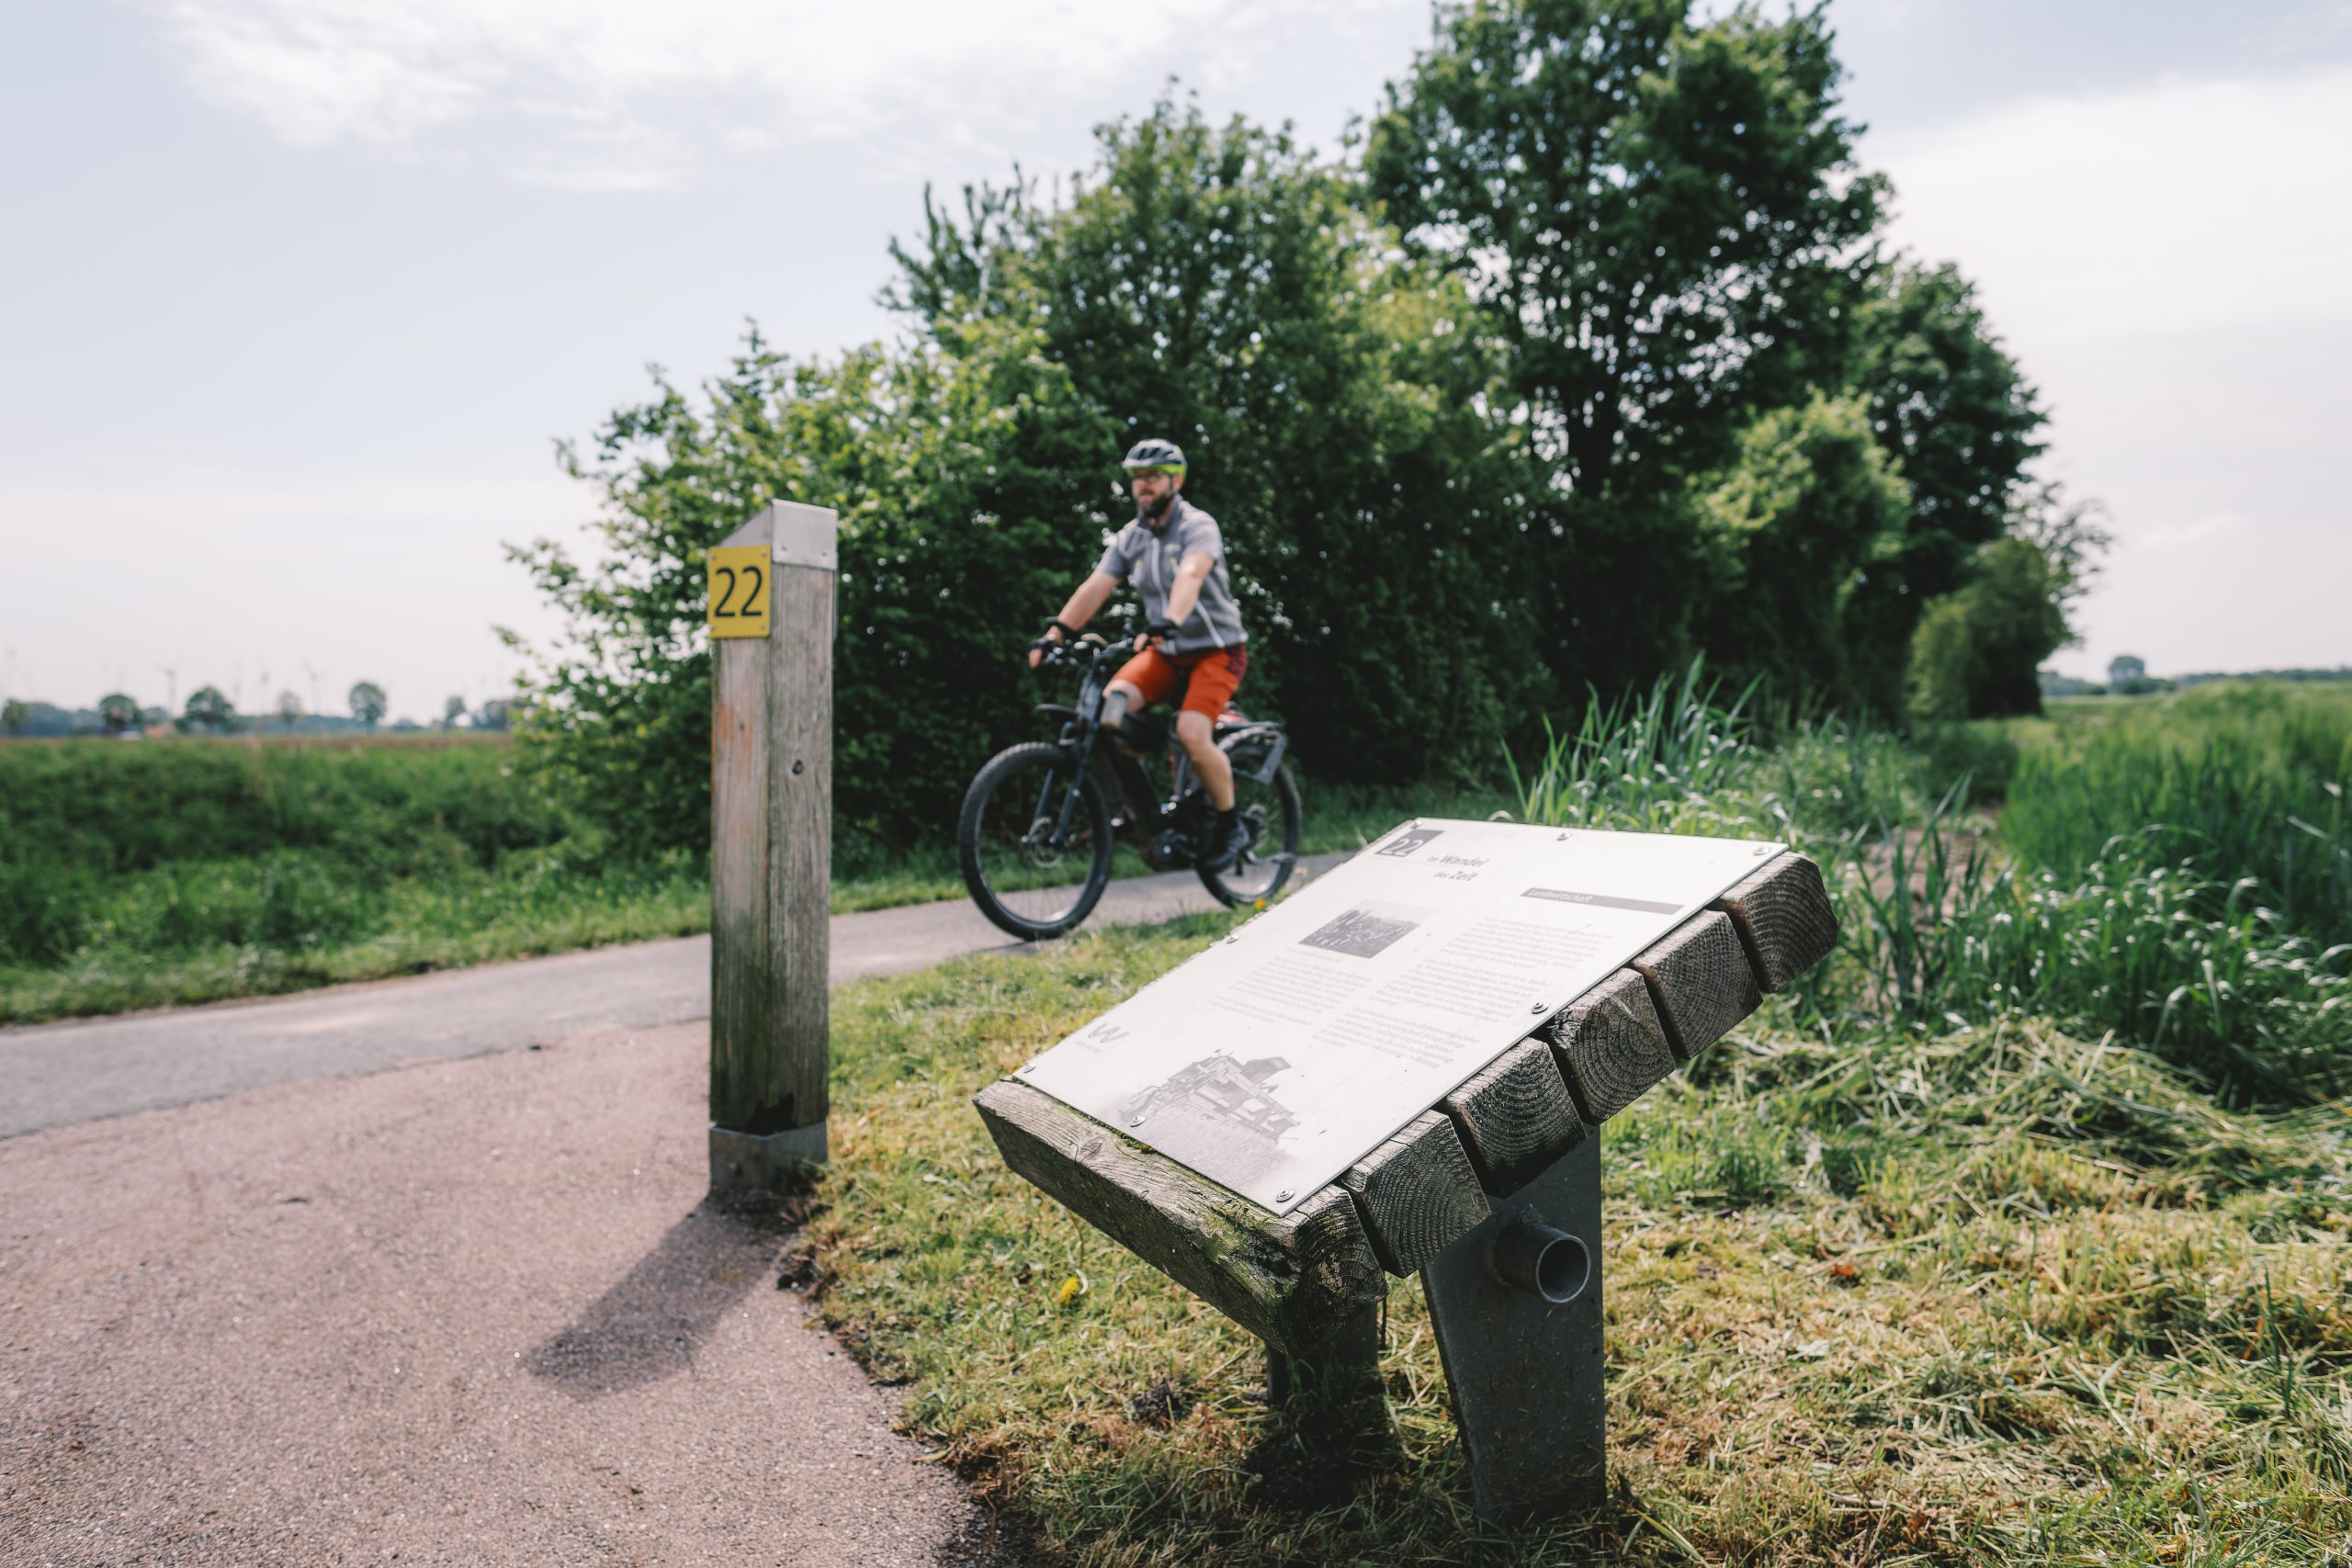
1154, 453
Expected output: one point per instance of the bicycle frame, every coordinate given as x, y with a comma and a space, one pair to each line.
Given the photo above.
1143, 812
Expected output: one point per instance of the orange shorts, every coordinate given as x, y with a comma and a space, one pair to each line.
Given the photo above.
1214, 674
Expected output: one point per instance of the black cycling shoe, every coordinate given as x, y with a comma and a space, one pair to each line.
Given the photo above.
1232, 839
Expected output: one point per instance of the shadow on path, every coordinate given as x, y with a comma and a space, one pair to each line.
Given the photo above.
647, 1325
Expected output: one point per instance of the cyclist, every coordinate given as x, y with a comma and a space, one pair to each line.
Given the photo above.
1193, 635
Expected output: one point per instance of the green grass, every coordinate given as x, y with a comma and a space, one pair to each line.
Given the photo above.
2018, 1231
159, 873
1990, 1295
2245, 783
297, 928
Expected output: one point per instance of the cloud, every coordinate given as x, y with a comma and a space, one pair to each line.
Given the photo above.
2185, 534
624, 94
2179, 206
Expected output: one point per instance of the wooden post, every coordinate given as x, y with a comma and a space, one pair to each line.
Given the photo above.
771, 863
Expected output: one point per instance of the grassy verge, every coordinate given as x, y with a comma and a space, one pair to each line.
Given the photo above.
380, 870
1992, 1295
408, 926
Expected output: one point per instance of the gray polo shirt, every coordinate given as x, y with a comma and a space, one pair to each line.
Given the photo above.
1149, 558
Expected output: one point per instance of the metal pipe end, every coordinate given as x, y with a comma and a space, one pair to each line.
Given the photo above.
1531, 1255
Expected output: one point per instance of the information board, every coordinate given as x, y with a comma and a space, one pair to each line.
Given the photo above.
1295, 1047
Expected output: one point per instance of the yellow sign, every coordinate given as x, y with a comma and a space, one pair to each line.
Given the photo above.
740, 590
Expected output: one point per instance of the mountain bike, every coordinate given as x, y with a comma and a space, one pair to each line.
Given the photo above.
1043, 819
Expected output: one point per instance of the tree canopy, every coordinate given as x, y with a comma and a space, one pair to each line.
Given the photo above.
1590, 357
368, 703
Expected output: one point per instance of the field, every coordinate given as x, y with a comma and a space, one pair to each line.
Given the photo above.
151, 873
2019, 1232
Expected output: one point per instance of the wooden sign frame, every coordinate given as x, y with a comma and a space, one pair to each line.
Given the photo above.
1516, 1145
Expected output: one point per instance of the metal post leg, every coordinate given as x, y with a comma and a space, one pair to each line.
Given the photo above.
1515, 1305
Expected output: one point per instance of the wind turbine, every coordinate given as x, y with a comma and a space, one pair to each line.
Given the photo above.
171, 688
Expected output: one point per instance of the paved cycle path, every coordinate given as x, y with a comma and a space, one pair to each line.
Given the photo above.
474, 1311
59, 1074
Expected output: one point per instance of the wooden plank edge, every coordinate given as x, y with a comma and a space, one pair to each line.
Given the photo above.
1784, 918
1698, 980
1630, 1072
1516, 1116
1292, 1279
1417, 1193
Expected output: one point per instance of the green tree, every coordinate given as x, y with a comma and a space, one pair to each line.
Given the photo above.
453, 712
1805, 511
15, 714
367, 704
1951, 405
209, 711
289, 710
1976, 652
1666, 225
1217, 286
119, 712
953, 464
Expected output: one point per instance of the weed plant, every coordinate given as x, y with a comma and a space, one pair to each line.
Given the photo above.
1948, 919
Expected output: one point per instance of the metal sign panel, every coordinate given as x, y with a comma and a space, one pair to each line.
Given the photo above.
1295, 1046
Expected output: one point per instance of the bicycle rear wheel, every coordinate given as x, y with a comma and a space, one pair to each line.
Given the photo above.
1031, 873
1272, 810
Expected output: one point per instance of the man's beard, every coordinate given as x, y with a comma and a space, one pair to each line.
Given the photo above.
1149, 513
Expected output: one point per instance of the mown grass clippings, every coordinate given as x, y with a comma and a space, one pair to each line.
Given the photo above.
1990, 1295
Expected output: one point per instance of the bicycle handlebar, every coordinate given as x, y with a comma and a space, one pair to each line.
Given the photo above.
1066, 652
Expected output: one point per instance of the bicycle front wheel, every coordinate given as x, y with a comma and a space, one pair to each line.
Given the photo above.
1034, 861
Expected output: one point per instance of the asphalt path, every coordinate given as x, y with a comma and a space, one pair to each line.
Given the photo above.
60, 1074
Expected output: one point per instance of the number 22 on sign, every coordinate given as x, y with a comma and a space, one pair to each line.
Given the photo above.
739, 591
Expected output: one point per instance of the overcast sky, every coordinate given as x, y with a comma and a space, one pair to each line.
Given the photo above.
295, 296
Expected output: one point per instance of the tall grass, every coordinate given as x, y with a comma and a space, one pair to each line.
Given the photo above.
2246, 784
2149, 932
1942, 929
1687, 757
174, 844
139, 875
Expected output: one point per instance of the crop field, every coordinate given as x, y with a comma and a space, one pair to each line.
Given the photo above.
2020, 1232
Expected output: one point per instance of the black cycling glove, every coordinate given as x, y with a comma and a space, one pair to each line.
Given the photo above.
1045, 643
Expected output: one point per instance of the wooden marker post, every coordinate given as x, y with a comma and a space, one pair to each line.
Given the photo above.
771, 619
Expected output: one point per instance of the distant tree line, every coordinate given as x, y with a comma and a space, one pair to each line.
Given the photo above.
2127, 676
210, 711
1590, 357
